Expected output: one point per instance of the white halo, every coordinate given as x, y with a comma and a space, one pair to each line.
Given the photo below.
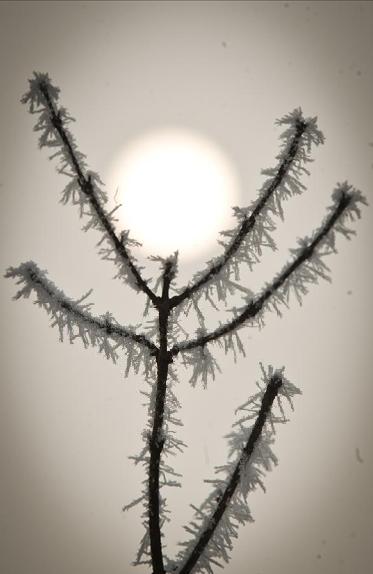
176, 188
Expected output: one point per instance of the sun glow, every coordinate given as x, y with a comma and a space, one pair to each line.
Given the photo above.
176, 189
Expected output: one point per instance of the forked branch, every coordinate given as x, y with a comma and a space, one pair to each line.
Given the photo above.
218, 517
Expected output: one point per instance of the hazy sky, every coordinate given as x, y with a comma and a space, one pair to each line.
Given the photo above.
69, 419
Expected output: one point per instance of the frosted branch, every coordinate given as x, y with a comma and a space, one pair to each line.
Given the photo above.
84, 188
74, 320
245, 242
163, 337
306, 267
218, 518
159, 439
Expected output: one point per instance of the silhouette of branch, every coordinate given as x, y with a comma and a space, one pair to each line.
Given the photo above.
226, 506
157, 437
248, 221
345, 203
74, 316
57, 118
221, 499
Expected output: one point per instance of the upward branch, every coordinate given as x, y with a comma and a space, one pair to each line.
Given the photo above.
346, 200
303, 133
43, 95
213, 522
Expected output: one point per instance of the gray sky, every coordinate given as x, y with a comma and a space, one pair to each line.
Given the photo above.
69, 418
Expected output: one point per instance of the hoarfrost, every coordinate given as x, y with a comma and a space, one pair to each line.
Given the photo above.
217, 520
171, 445
74, 320
85, 187
153, 353
245, 242
305, 268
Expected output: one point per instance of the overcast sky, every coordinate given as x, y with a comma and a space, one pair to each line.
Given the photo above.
69, 419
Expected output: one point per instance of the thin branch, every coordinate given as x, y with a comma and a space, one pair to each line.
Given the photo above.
69, 314
84, 181
156, 444
269, 396
157, 438
248, 222
345, 200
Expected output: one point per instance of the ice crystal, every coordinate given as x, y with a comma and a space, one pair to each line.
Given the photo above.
155, 348
74, 320
244, 470
245, 242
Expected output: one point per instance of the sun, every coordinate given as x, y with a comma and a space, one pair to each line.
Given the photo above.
176, 188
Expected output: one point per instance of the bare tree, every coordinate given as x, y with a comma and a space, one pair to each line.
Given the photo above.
155, 351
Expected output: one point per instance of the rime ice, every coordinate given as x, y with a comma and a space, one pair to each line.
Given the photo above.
158, 347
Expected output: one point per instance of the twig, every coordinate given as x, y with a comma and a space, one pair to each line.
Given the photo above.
203, 540
248, 222
58, 305
255, 306
86, 187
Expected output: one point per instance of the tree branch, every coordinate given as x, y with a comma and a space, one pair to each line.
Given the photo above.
156, 444
346, 200
57, 117
248, 221
73, 315
213, 522
157, 438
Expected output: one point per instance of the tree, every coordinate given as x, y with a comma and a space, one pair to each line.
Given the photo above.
155, 350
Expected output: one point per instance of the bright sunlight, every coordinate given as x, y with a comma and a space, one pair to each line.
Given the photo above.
176, 188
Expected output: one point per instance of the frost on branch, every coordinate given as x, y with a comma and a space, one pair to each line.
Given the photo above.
204, 365
171, 445
84, 188
202, 362
308, 265
74, 320
218, 518
244, 243
154, 352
